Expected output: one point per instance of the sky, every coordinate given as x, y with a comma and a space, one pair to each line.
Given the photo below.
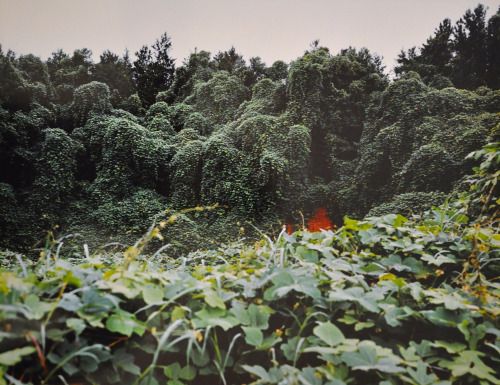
271, 29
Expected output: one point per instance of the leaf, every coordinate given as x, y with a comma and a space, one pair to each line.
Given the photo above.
256, 315
366, 356
399, 282
76, 324
363, 325
13, 357
172, 371
152, 295
187, 373
257, 371
307, 254
298, 280
469, 362
70, 302
420, 375
125, 361
329, 333
37, 308
451, 347
178, 313
209, 316
124, 323
253, 336
355, 294
214, 300
437, 261
366, 359
175, 382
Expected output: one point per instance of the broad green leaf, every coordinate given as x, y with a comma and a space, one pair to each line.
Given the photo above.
175, 382
469, 362
298, 280
366, 359
76, 324
12, 357
209, 316
172, 371
258, 315
329, 333
255, 315
70, 302
253, 335
451, 347
257, 371
124, 323
420, 375
214, 300
363, 325
152, 294
355, 294
307, 254
178, 313
187, 373
37, 308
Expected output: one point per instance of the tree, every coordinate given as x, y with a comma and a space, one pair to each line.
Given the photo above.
196, 68
278, 71
219, 98
154, 69
67, 73
230, 61
470, 44
116, 72
433, 59
90, 98
493, 44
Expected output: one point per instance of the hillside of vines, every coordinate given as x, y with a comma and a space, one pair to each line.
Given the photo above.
222, 221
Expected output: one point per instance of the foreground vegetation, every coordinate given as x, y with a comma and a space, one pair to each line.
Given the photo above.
386, 300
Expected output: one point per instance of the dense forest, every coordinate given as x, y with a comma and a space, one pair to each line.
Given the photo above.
104, 147
222, 221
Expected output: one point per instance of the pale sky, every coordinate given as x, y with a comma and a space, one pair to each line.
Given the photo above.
271, 29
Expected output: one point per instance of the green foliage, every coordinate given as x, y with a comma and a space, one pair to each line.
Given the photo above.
272, 144
131, 213
416, 142
153, 70
465, 53
388, 300
218, 98
185, 174
90, 98
116, 72
409, 203
55, 172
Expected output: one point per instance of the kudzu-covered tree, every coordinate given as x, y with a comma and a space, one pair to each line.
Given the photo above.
186, 174
198, 67
91, 98
225, 175
55, 179
219, 98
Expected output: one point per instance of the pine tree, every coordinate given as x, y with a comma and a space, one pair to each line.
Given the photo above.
154, 69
